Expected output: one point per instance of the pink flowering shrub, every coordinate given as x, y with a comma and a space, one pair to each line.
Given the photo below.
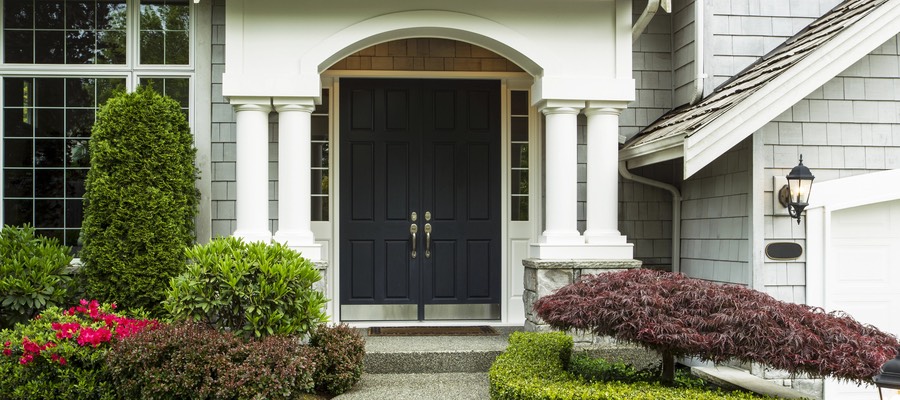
62, 353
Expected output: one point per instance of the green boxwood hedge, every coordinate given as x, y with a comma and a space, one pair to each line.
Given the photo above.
534, 367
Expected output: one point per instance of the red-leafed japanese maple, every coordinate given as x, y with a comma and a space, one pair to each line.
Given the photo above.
680, 316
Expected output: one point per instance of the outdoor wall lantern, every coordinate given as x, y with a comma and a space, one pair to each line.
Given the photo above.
888, 381
795, 195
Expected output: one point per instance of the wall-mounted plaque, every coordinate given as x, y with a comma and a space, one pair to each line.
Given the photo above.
783, 251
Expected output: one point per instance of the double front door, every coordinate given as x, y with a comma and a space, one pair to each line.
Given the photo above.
419, 199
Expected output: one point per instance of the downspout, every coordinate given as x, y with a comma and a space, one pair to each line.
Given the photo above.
676, 210
647, 15
698, 51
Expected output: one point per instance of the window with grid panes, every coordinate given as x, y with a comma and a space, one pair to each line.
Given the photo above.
518, 155
48, 111
320, 157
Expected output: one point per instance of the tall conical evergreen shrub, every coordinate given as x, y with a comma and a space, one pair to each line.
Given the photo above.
140, 200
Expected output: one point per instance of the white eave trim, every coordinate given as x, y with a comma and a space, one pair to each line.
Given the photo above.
824, 63
654, 152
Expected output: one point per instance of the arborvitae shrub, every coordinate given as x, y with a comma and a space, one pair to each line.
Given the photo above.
681, 316
140, 200
34, 274
343, 350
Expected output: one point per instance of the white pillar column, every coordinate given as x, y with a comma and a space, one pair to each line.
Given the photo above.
294, 185
602, 176
561, 188
252, 169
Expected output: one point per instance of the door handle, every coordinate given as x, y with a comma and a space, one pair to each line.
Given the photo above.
427, 240
413, 228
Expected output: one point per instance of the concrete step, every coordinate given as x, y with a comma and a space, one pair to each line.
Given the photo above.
445, 386
433, 354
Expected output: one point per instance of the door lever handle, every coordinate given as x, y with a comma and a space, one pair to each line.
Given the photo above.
413, 228
427, 240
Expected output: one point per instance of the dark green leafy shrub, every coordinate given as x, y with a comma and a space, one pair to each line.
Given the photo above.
253, 289
140, 200
533, 367
61, 354
594, 369
343, 350
681, 316
33, 274
188, 360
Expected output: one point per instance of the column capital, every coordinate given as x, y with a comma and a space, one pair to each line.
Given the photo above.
560, 111
263, 104
589, 111
303, 104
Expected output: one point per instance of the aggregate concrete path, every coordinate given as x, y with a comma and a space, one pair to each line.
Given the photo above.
443, 386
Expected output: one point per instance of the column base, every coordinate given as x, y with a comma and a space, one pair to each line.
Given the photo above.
303, 242
604, 237
589, 251
253, 236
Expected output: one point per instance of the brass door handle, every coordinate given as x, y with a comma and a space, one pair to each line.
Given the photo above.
413, 228
427, 240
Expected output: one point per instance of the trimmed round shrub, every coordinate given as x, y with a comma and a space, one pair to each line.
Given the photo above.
62, 354
533, 367
34, 274
343, 350
681, 316
252, 289
193, 361
140, 200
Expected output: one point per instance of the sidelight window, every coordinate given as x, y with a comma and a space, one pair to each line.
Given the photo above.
518, 155
320, 158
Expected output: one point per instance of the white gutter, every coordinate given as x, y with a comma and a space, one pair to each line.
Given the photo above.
647, 15
698, 52
676, 210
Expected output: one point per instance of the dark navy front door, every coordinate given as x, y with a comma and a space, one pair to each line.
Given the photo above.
419, 199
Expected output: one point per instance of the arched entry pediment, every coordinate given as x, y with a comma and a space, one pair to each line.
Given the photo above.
426, 23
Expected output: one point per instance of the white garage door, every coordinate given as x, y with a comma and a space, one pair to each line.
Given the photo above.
863, 275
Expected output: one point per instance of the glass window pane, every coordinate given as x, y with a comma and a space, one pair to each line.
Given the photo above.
518, 102
49, 47
74, 213
80, 92
519, 181
319, 158
18, 46
519, 155
319, 181
18, 212
50, 122
17, 122
49, 183
177, 15
79, 123
152, 51
48, 214
78, 153
75, 182
322, 108
80, 47
519, 208
80, 15
177, 48
51, 233
49, 153
17, 92
18, 153
319, 127
151, 16
49, 14
50, 92
111, 47
178, 89
319, 208
73, 239
106, 88
18, 14
111, 15
519, 129
18, 182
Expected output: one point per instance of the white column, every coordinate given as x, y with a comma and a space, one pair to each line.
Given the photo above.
561, 188
252, 169
294, 184
602, 176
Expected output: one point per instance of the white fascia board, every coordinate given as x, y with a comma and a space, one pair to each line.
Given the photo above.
823, 64
856, 190
655, 158
671, 145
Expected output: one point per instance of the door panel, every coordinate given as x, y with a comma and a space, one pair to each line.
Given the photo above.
431, 147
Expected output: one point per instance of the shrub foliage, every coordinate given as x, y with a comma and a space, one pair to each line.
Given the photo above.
533, 367
61, 354
343, 350
680, 316
253, 289
189, 360
33, 274
140, 199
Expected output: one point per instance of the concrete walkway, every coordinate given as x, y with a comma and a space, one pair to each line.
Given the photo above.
443, 386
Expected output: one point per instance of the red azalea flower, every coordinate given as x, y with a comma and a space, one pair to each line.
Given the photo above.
6, 344
62, 361
7, 352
